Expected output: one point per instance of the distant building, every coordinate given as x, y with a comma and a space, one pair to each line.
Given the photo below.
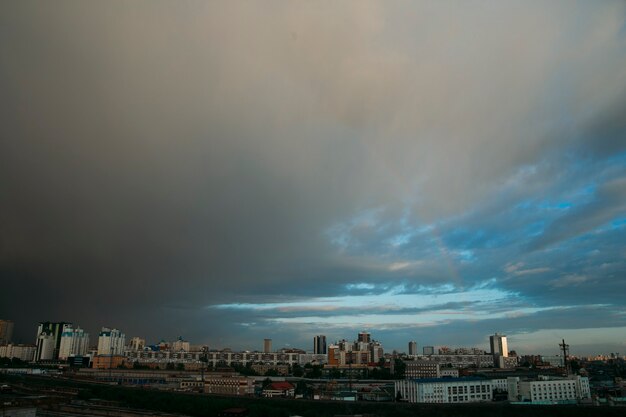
279, 389
262, 369
460, 361
180, 345
111, 342
312, 358
107, 361
319, 345
364, 337
499, 346
428, 350
228, 385
412, 348
23, 352
6, 332
267, 345
74, 342
137, 343
421, 369
49, 340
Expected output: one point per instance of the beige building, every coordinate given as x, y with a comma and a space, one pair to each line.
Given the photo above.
23, 352
6, 331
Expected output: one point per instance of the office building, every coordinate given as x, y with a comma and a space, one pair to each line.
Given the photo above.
111, 342
74, 342
49, 340
499, 345
267, 345
428, 350
319, 345
412, 348
6, 331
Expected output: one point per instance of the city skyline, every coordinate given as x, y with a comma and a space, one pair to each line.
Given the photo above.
231, 172
499, 348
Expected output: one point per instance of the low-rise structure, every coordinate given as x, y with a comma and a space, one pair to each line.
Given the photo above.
447, 390
548, 389
279, 389
107, 361
228, 385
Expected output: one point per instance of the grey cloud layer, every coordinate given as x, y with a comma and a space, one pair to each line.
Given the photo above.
156, 155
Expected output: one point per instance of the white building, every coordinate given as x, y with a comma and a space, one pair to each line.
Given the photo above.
74, 342
46, 344
22, 352
111, 342
49, 340
548, 390
449, 390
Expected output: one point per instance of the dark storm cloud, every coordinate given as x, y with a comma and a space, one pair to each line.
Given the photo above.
159, 159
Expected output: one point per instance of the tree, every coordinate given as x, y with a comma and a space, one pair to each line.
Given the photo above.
400, 368
297, 370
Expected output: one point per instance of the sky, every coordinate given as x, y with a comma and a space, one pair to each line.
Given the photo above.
229, 171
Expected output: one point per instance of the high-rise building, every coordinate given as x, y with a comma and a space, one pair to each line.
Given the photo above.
319, 344
428, 350
267, 345
499, 346
6, 331
412, 348
364, 337
111, 342
137, 343
74, 342
45, 347
49, 340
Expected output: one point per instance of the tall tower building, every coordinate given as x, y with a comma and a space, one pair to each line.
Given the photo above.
319, 344
49, 340
267, 345
364, 337
412, 348
499, 346
6, 331
74, 342
111, 342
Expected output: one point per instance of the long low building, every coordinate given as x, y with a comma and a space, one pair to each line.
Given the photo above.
23, 352
542, 390
448, 390
459, 361
214, 359
548, 390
